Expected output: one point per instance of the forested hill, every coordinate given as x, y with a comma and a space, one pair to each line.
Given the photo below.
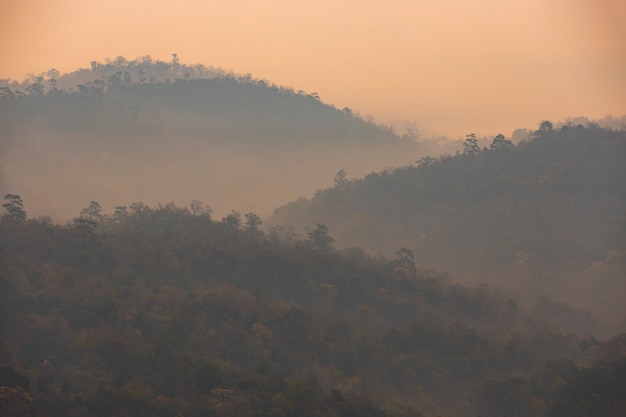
123, 131
165, 311
547, 216
123, 97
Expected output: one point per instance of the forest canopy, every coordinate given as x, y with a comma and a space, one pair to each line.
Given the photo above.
154, 311
478, 277
545, 216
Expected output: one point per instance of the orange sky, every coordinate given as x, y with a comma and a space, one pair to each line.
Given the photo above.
450, 66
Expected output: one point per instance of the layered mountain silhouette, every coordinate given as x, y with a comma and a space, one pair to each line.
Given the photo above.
543, 217
153, 131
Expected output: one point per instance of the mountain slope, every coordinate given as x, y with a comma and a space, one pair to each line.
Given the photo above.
229, 140
544, 217
164, 311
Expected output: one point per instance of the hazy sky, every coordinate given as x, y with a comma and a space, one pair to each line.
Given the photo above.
450, 66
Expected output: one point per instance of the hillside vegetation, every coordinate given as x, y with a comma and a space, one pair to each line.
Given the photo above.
166, 311
545, 217
486, 283
162, 131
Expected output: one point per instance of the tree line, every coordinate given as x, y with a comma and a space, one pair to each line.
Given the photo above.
166, 310
544, 216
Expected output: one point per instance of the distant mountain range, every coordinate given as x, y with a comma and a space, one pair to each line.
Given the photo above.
541, 216
147, 131
486, 279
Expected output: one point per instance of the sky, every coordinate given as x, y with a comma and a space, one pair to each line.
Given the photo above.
450, 67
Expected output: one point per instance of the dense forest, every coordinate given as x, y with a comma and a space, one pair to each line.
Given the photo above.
487, 279
147, 130
544, 217
167, 311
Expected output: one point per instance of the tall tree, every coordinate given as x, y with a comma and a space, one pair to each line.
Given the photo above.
121, 213
500, 143
232, 221
341, 179
253, 222
318, 238
85, 228
36, 88
14, 207
92, 212
405, 260
470, 146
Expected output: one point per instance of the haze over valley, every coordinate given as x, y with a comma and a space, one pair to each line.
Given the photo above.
149, 131
399, 209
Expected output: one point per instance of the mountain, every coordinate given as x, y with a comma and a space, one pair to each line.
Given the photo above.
165, 311
545, 217
161, 309
144, 130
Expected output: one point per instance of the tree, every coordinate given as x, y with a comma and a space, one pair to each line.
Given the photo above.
52, 83
232, 221
92, 212
53, 77
88, 221
198, 208
36, 88
253, 221
340, 179
120, 214
15, 207
545, 128
500, 143
114, 82
142, 76
470, 146
85, 228
425, 161
405, 260
83, 90
546, 125
6, 92
99, 86
126, 79
139, 208
319, 238
282, 235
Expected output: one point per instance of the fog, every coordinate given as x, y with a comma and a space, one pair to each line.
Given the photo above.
57, 180
389, 273
542, 217
231, 142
